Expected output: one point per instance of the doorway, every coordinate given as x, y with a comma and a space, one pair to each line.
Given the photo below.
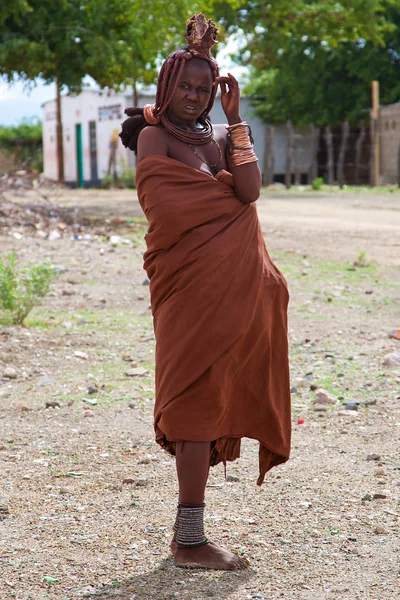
93, 152
79, 156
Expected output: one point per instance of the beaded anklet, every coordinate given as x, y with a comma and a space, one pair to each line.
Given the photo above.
190, 530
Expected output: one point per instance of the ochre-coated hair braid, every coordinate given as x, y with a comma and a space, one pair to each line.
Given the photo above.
168, 79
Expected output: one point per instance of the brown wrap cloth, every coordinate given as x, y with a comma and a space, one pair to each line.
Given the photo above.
220, 316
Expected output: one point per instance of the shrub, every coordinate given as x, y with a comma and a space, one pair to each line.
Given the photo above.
317, 183
107, 182
128, 177
22, 289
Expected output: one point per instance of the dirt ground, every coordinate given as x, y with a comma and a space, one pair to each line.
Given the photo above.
87, 499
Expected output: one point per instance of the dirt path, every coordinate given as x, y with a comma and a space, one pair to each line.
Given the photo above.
91, 497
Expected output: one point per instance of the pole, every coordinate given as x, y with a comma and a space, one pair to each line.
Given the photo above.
376, 132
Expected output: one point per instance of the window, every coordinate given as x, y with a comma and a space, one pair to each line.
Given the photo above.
108, 113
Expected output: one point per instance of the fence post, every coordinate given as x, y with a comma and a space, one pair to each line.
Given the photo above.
289, 156
269, 156
342, 152
297, 176
398, 166
375, 154
330, 164
359, 147
313, 170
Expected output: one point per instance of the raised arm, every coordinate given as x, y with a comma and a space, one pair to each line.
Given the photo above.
247, 177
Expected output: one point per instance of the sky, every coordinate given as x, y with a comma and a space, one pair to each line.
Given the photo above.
18, 103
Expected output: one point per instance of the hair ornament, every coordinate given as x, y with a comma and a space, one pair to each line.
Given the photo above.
149, 114
201, 35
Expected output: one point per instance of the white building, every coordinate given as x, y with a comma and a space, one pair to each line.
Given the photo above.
91, 119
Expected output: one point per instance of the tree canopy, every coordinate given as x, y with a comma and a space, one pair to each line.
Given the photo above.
314, 61
113, 42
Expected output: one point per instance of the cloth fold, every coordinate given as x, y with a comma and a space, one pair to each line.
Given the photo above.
220, 316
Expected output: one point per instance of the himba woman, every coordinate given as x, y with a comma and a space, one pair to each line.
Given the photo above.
219, 303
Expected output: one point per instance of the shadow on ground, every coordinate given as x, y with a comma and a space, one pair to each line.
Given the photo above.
165, 581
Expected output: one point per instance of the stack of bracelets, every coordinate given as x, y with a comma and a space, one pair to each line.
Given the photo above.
240, 144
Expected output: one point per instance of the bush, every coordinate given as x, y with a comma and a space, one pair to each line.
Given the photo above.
107, 182
128, 177
23, 143
317, 183
21, 289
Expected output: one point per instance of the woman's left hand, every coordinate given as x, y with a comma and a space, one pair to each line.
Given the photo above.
230, 98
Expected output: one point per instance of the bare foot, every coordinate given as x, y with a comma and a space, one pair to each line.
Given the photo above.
172, 545
209, 556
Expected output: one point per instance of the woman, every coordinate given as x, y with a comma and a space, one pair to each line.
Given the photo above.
219, 303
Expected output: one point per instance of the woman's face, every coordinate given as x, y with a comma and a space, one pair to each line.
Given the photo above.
193, 92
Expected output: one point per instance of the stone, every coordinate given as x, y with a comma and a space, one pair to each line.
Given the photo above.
370, 402
145, 460
92, 390
128, 480
379, 496
88, 413
323, 397
374, 457
380, 530
320, 408
90, 401
75, 279
132, 405
137, 372
366, 498
68, 292
80, 354
351, 405
142, 482
4, 510
348, 413
392, 359
10, 373
51, 404
380, 473
232, 478
54, 235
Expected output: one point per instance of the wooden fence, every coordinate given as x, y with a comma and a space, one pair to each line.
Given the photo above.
343, 155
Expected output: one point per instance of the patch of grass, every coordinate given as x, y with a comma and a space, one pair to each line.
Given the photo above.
104, 321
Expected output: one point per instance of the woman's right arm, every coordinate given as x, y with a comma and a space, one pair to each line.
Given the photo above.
152, 140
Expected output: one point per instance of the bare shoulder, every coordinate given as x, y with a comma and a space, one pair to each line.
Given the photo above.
152, 140
220, 132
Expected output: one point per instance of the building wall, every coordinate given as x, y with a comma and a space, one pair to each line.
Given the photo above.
107, 110
390, 143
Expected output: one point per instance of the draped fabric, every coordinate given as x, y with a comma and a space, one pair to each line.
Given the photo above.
220, 316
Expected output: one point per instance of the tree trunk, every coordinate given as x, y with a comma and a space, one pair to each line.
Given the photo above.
269, 156
289, 156
313, 172
135, 95
359, 147
60, 149
330, 166
342, 152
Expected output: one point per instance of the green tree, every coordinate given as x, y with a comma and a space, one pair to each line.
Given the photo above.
315, 82
61, 41
271, 27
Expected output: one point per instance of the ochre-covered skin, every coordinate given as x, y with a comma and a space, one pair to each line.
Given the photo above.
220, 316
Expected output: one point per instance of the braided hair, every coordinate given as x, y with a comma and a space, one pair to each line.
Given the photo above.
168, 79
